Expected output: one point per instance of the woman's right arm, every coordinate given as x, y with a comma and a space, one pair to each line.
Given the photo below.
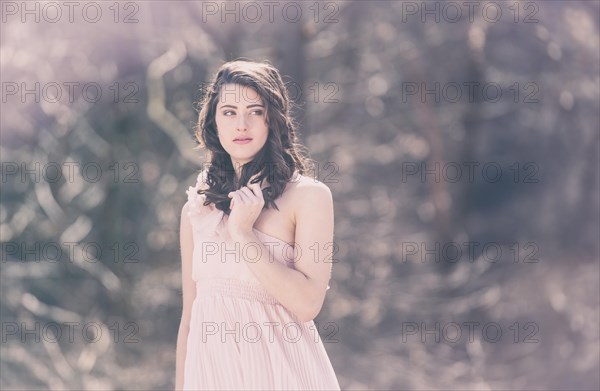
189, 293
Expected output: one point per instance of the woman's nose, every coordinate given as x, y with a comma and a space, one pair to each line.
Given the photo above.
242, 122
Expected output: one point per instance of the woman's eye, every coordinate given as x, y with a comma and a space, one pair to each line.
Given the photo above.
227, 112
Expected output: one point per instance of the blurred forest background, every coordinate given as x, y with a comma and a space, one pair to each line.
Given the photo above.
353, 66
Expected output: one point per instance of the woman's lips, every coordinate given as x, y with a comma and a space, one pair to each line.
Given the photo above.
242, 141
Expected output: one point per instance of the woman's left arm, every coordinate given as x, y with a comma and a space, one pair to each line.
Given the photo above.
301, 291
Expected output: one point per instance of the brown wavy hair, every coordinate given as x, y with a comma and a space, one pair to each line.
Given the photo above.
281, 155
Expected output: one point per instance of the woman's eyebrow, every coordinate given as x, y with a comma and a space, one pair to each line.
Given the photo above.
248, 107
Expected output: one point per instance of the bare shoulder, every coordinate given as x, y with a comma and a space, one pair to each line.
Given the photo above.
309, 192
305, 184
185, 208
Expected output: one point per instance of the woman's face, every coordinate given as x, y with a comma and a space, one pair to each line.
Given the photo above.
241, 123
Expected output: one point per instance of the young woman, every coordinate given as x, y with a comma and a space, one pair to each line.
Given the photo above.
256, 245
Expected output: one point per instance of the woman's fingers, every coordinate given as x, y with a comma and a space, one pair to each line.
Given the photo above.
234, 196
245, 194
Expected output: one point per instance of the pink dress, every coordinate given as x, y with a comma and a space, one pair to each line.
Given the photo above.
241, 337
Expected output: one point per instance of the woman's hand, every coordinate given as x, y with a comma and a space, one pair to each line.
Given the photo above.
246, 205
